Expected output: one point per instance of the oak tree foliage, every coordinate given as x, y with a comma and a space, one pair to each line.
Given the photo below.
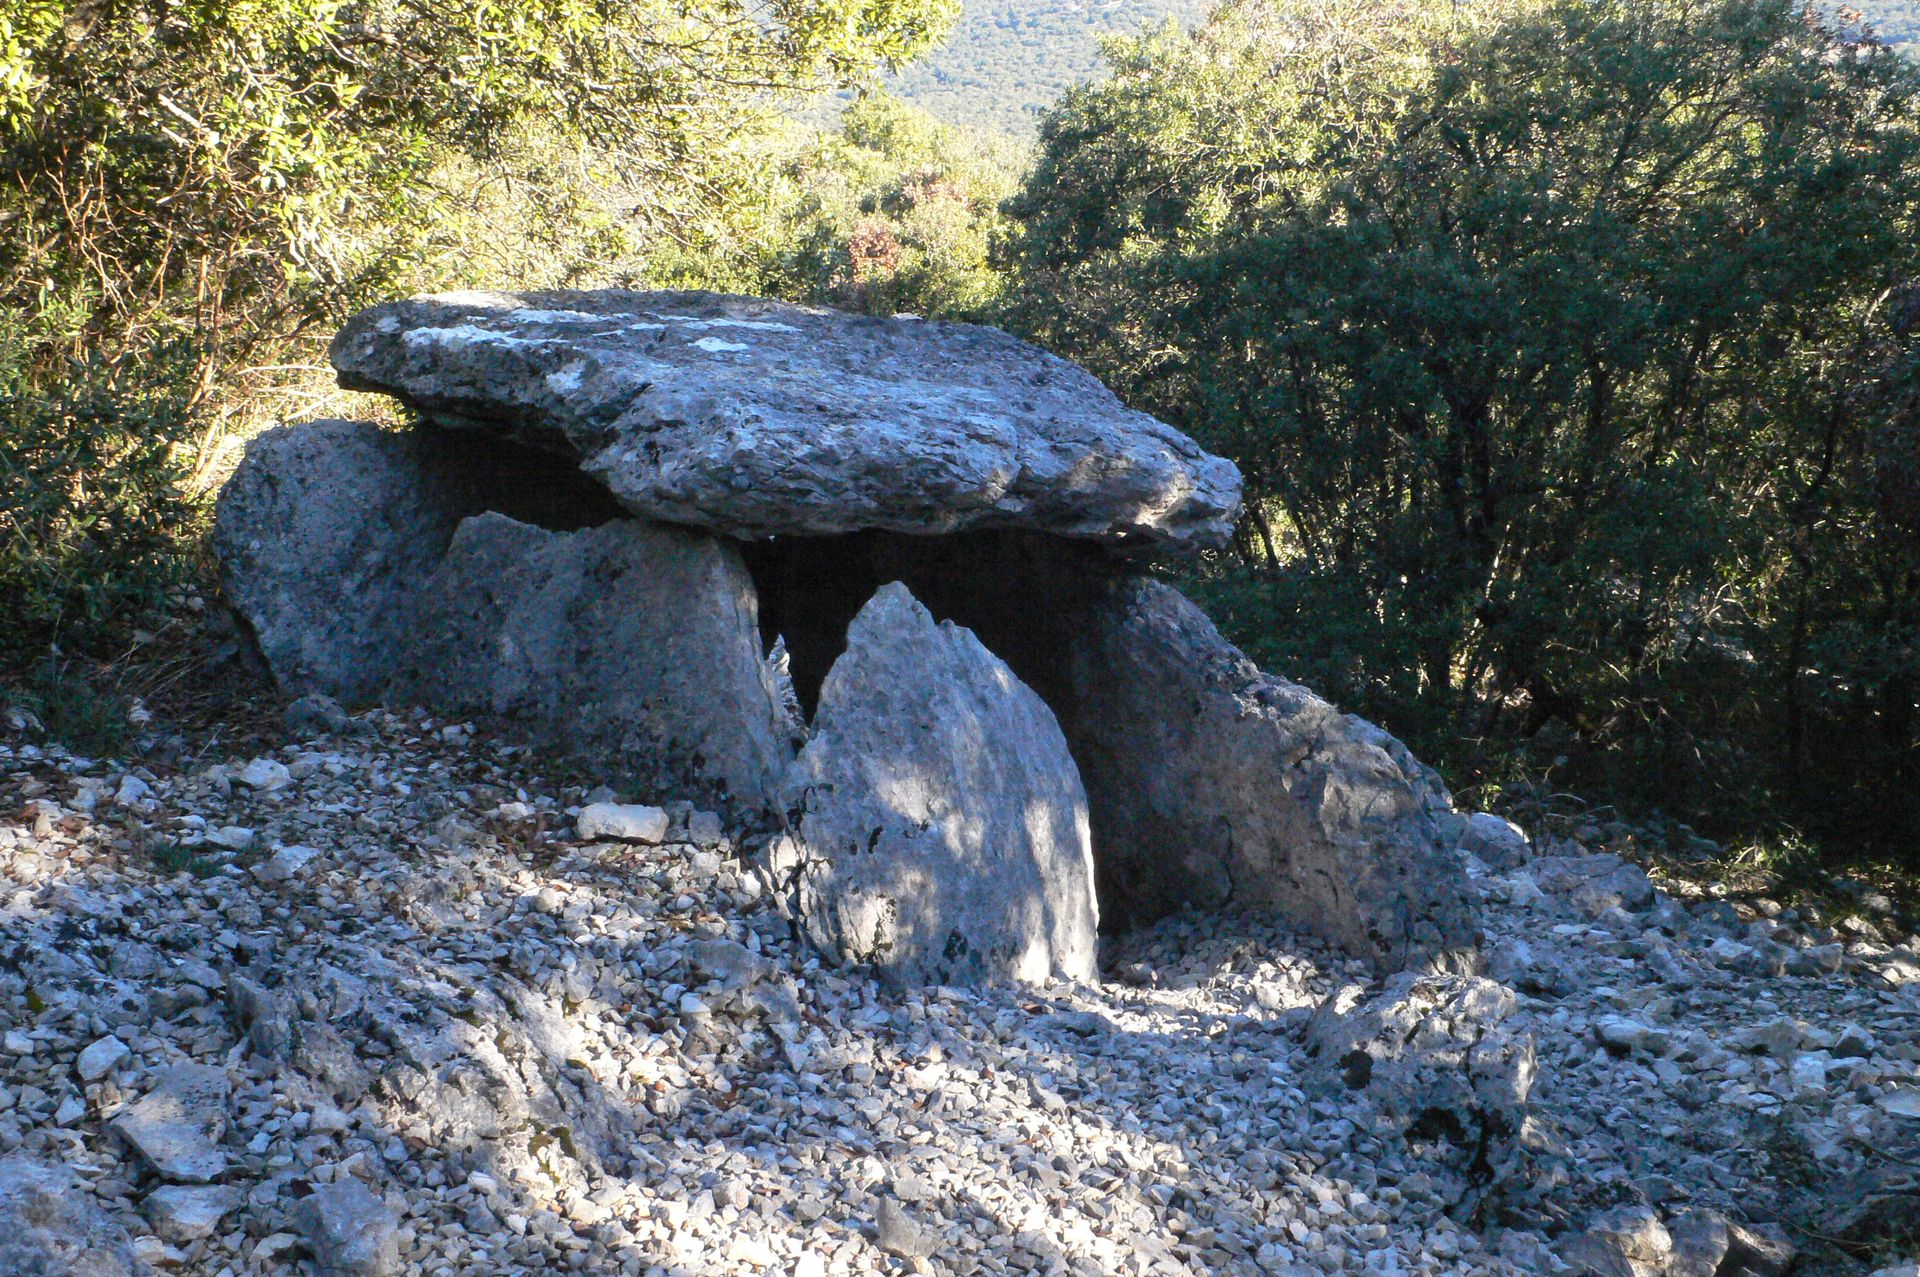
1568, 349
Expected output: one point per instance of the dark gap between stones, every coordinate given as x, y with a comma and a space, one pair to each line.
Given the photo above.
1023, 594
529, 484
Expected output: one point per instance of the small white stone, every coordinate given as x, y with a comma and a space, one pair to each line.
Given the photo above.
622, 822
704, 827
1902, 1103
99, 1059
71, 1110
1809, 1075
284, 863
1630, 1035
182, 1214
265, 774
231, 837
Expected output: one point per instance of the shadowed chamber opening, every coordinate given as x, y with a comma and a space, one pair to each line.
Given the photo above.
528, 484
1022, 594
1027, 596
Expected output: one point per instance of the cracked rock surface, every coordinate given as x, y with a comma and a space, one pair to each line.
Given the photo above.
755, 418
942, 817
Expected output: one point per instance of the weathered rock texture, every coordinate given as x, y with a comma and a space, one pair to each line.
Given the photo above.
50, 1226
328, 533
351, 1232
632, 643
350, 551
1214, 785
787, 463
1210, 785
943, 817
757, 418
175, 1128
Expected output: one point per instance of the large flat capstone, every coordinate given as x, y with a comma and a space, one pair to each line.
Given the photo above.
757, 418
942, 817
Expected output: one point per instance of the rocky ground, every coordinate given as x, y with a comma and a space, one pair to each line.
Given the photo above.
376, 1000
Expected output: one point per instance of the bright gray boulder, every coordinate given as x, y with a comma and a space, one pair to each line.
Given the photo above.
350, 1231
633, 644
757, 418
1627, 1241
326, 534
182, 1214
50, 1226
1497, 842
1213, 785
943, 818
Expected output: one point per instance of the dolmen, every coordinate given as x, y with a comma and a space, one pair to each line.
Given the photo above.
878, 586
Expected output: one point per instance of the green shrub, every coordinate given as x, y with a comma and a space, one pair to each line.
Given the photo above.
1569, 350
96, 524
72, 711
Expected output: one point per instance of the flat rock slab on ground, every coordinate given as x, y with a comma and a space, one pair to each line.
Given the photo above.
1440, 1057
943, 819
351, 1231
176, 1127
757, 418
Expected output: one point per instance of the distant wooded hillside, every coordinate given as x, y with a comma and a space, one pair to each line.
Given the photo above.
1897, 21
1008, 59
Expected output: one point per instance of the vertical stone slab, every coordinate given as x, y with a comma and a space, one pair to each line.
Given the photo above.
1212, 785
942, 815
633, 644
327, 534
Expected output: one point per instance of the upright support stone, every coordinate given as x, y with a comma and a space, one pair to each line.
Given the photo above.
632, 644
943, 818
1213, 785
327, 533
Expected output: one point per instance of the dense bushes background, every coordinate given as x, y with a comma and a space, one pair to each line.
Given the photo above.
193, 194
1567, 349
1571, 348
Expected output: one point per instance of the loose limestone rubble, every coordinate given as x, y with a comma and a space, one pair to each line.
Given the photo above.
624, 506
512, 1049
1441, 1057
50, 1226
